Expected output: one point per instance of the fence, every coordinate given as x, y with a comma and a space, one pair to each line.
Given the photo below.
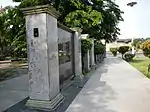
54, 54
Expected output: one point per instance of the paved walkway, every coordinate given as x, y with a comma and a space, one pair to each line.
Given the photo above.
13, 91
114, 87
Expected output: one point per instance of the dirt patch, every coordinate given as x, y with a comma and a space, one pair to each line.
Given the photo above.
10, 70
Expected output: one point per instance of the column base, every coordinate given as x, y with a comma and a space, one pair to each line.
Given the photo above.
79, 81
79, 77
45, 105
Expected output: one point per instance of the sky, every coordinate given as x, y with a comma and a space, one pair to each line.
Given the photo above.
7, 2
136, 19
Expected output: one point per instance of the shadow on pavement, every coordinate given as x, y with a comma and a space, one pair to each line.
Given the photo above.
75, 86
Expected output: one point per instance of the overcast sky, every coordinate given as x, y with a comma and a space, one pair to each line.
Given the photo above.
7, 2
136, 19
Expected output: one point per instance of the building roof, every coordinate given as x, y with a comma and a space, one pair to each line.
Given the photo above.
124, 40
1, 9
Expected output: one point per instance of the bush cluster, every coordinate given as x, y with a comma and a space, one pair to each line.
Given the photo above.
2, 58
146, 48
114, 51
123, 49
86, 45
99, 48
129, 56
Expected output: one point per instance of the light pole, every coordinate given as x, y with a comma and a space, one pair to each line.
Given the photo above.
131, 4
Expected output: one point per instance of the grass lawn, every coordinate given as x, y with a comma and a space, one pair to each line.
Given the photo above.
141, 63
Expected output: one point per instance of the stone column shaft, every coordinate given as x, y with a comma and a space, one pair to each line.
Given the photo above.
42, 42
92, 60
77, 54
86, 61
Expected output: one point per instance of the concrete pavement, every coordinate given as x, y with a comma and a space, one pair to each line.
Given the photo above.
114, 87
13, 91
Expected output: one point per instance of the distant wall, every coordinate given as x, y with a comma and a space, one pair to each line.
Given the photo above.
115, 44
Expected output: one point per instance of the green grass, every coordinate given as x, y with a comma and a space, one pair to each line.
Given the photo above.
141, 63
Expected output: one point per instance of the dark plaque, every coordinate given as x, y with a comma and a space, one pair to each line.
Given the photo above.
36, 32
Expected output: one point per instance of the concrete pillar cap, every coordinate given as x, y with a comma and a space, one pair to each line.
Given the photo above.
41, 9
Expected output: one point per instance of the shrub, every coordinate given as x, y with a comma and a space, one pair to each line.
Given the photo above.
129, 56
146, 51
123, 49
99, 48
130, 48
137, 42
2, 58
114, 51
146, 48
86, 45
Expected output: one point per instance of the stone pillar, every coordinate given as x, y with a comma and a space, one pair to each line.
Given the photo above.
77, 54
97, 58
87, 61
41, 28
104, 42
92, 60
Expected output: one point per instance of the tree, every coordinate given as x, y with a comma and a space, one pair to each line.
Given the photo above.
111, 14
137, 42
74, 14
146, 48
99, 48
4, 42
123, 50
114, 51
86, 45
146, 51
13, 31
98, 18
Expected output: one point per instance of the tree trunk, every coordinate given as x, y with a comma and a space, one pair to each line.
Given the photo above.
122, 56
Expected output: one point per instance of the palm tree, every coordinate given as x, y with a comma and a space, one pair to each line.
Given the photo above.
2, 32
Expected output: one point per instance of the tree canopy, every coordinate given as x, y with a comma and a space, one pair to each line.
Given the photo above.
12, 31
98, 18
